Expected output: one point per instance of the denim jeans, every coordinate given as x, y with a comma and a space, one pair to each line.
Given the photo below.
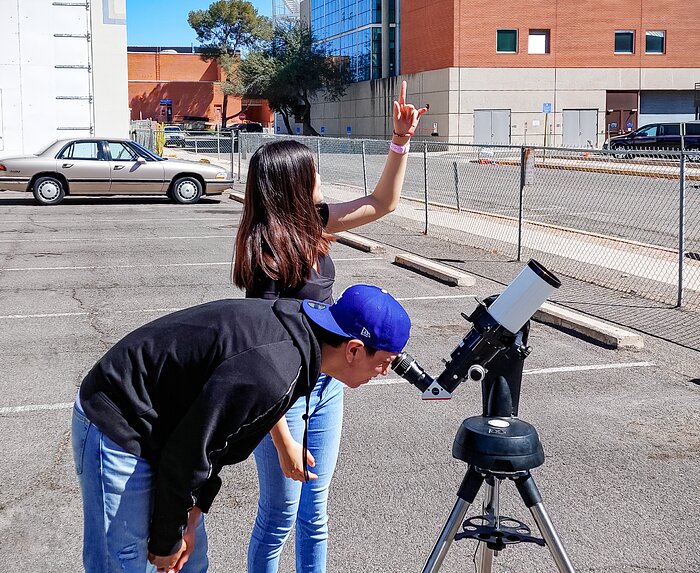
283, 501
116, 487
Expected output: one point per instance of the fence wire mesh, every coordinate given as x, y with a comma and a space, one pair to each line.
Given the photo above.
626, 222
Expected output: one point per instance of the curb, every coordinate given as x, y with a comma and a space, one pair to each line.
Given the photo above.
603, 332
443, 273
360, 243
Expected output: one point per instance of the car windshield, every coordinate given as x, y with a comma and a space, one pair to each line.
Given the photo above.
145, 153
174, 128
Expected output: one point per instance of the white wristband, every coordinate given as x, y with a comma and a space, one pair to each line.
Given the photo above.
400, 149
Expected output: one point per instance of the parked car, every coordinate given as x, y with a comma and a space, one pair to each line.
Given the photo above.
174, 136
249, 127
656, 136
90, 166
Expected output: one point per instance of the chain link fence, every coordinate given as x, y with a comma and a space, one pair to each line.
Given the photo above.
628, 222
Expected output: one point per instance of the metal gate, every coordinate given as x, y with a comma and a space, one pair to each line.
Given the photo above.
580, 128
73, 77
492, 126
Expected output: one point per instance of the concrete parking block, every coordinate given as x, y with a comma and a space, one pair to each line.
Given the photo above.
603, 332
360, 243
446, 274
236, 195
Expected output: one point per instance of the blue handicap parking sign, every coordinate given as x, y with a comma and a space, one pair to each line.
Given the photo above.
613, 125
547, 107
298, 129
630, 125
348, 129
323, 129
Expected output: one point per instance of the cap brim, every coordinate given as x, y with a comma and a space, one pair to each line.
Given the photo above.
319, 313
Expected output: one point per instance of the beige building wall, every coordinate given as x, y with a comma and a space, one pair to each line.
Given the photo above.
454, 94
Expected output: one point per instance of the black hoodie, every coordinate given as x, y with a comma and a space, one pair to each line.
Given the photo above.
198, 389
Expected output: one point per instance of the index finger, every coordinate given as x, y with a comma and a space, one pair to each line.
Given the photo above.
402, 95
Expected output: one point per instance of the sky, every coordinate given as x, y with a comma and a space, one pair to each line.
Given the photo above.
164, 22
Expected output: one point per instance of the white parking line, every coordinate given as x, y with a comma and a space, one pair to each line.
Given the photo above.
128, 238
94, 268
154, 219
378, 382
553, 370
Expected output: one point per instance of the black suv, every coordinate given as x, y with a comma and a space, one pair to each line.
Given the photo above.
657, 136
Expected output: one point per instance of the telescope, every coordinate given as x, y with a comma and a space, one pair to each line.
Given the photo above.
497, 327
496, 445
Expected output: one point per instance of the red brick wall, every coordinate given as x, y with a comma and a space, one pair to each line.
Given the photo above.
189, 82
462, 33
427, 34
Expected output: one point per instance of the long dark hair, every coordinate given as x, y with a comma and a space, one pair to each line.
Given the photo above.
280, 233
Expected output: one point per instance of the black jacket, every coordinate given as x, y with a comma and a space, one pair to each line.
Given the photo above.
196, 390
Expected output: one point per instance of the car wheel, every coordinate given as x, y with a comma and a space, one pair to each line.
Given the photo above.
48, 191
186, 190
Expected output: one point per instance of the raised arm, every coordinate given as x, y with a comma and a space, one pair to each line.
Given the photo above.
386, 195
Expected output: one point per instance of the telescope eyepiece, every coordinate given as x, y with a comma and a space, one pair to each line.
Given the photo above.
406, 367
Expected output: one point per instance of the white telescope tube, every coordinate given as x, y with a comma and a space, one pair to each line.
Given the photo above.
522, 297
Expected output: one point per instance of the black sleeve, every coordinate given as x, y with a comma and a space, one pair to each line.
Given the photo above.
322, 209
243, 397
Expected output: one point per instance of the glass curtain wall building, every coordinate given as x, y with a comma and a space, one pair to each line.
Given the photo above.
352, 29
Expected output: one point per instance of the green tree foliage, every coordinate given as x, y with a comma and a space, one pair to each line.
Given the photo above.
290, 70
224, 30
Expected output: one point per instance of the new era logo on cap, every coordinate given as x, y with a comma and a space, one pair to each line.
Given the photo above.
364, 312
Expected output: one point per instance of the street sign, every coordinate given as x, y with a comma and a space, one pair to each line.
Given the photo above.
166, 102
613, 125
547, 107
323, 130
278, 128
348, 130
630, 125
241, 116
298, 129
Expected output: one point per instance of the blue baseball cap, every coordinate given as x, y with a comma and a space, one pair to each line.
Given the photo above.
365, 312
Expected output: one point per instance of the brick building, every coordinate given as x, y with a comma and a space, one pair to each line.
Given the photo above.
175, 85
567, 72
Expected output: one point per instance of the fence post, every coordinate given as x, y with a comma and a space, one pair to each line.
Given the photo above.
218, 145
239, 140
318, 155
364, 166
195, 142
454, 165
425, 183
681, 229
523, 160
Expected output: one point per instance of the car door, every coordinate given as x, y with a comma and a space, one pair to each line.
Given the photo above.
131, 173
669, 136
646, 137
83, 164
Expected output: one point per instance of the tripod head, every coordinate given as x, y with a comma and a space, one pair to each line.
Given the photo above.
500, 328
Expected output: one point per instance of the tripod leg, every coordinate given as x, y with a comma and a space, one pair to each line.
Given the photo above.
465, 497
533, 500
491, 509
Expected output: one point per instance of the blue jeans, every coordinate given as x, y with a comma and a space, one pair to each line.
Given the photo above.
117, 487
283, 501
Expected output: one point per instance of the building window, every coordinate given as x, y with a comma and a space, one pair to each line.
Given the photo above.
538, 42
656, 42
507, 41
624, 42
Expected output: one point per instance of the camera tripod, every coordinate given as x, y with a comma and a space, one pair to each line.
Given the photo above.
497, 446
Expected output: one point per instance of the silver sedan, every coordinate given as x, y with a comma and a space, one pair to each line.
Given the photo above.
93, 166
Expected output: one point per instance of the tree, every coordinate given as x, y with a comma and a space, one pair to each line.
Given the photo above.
291, 70
225, 29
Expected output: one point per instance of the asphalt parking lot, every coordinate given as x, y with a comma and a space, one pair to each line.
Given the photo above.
621, 429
